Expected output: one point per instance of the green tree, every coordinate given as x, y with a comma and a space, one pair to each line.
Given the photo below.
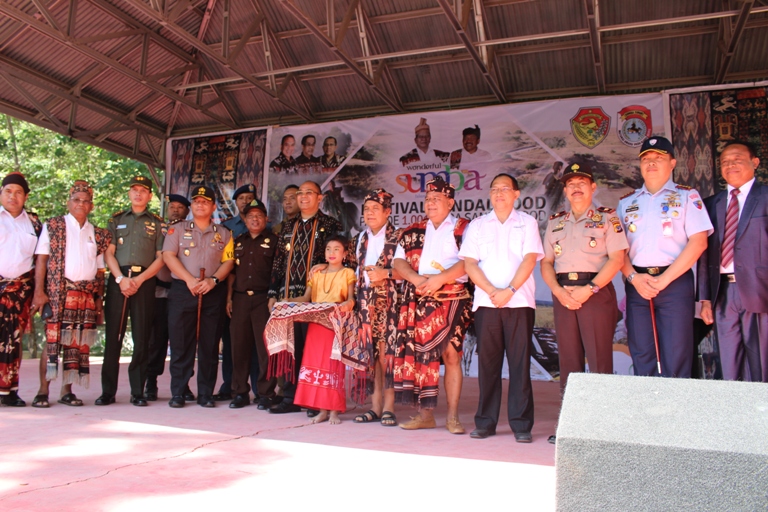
52, 162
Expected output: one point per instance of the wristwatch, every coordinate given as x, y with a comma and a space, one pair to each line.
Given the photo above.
514, 290
215, 280
594, 287
118, 279
631, 276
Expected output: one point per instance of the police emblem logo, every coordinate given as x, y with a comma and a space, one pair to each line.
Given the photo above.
635, 125
590, 126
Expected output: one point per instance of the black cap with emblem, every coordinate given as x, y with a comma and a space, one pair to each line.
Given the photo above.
659, 145
206, 192
142, 181
575, 170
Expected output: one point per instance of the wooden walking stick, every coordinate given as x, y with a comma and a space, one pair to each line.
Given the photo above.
199, 307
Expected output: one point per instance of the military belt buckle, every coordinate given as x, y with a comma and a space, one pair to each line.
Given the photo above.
135, 268
653, 271
573, 276
249, 292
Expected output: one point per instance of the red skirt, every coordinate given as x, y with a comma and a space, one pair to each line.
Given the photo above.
321, 379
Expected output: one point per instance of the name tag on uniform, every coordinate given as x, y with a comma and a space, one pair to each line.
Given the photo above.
122, 226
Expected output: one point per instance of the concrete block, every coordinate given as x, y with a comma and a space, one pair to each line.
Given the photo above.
644, 443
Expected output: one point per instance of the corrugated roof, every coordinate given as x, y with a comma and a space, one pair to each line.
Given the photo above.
542, 48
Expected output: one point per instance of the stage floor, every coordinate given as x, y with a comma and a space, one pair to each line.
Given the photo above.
122, 457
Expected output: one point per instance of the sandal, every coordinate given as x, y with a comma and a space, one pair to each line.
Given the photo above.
368, 417
41, 402
71, 400
388, 419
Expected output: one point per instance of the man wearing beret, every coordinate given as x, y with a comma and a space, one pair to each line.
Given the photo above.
133, 257
667, 229
199, 255
178, 209
243, 197
247, 307
19, 230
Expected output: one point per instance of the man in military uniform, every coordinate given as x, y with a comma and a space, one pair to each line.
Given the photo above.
284, 162
236, 224
199, 255
667, 229
247, 307
307, 162
133, 258
290, 207
178, 209
583, 250
19, 230
301, 245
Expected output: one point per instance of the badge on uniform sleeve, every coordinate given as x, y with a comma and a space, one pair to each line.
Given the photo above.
558, 249
616, 224
186, 252
697, 203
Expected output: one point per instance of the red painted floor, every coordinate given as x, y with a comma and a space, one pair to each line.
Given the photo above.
122, 457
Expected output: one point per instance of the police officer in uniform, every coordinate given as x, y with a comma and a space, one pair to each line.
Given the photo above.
236, 224
178, 209
667, 229
583, 250
133, 258
247, 307
191, 247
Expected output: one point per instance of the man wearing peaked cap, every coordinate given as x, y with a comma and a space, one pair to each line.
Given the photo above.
19, 230
243, 196
192, 246
133, 257
247, 306
667, 228
583, 250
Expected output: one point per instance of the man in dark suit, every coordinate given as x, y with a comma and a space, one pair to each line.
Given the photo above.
734, 268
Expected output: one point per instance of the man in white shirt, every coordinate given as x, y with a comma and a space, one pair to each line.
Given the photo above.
19, 230
435, 311
69, 275
500, 251
470, 153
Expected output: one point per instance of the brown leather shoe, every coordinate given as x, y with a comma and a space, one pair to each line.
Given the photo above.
417, 423
454, 426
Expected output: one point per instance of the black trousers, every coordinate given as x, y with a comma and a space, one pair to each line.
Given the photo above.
182, 322
500, 330
140, 307
158, 341
249, 318
299, 340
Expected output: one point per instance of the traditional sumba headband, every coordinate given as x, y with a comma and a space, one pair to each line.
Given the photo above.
381, 196
81, 186
439, 185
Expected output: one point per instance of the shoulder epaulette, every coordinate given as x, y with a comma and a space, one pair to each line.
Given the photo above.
172, 222
157, 217
627, 195
556, 215
119, 213
605, 209
683, 187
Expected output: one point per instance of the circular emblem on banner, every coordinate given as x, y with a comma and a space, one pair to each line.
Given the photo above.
635, 125
590, 126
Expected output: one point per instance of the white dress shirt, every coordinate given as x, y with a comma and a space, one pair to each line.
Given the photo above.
375, 246
439, 246
479, 156
499, 250
742, 198
80, 260
18, 241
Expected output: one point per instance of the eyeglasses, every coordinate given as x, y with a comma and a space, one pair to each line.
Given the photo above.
733, 163
305, 193
501, 190
81, 201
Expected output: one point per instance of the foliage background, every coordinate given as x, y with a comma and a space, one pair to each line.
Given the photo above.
51, 162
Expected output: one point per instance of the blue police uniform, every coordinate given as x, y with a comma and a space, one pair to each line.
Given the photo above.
658, 227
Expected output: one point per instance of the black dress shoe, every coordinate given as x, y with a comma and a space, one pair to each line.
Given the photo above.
240, 401
105, 400
139, 401
284, 407
151, 395
223, 397
189, 396
552, 439
523, 437
311, 413
267, 402
176, 402
12, 399
206, 401
481, 433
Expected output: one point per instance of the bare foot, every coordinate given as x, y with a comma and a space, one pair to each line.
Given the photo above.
335, 420
323, 416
